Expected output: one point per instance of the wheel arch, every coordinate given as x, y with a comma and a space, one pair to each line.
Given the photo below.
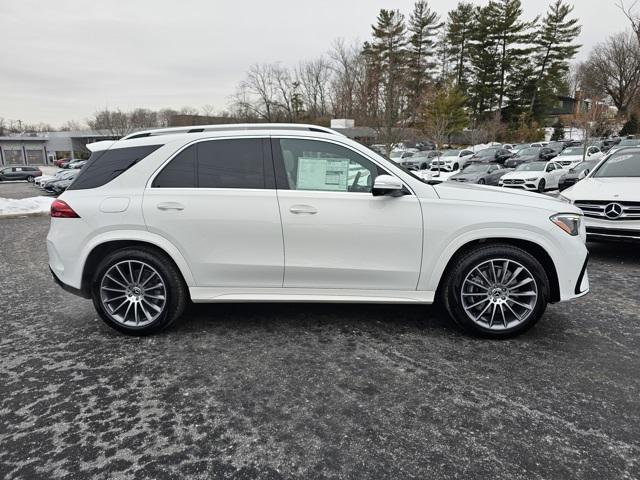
535, 249
104, 248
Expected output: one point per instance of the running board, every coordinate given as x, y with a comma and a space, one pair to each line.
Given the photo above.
309, 295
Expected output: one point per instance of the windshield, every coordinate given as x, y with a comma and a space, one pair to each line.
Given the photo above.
629, 143
622, 165
396, 154
474, 168
531, 167
572, 151
520, 146
489, 152
450, 153
528, 151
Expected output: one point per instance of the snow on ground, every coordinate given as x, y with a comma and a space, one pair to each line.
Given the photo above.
23, 206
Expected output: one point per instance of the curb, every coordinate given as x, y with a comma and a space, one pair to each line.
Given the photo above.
22, 215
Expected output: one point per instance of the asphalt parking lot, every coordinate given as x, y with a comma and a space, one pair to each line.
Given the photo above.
315, 391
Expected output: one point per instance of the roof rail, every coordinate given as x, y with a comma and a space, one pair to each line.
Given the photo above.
230, 127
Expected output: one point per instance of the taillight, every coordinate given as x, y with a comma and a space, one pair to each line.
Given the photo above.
61, 209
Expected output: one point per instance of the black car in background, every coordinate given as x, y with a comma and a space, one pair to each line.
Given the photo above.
530, 154
20, 173
491, 154
576, 174
56, 187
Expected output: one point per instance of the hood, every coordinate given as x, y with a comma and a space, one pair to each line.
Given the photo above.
623, 188
497, 195
468, 176
523, 174
568, 158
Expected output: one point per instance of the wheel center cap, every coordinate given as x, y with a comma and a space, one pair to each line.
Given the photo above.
136, 291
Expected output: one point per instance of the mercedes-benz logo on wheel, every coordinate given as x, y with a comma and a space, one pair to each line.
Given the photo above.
613, 210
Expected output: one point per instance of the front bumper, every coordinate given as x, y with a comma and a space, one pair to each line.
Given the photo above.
601, 229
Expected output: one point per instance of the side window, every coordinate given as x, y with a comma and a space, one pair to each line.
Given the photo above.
317, 165
550, 167
236, 163
180, 172
105, 165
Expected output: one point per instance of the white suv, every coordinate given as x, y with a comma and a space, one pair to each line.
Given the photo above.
295, 213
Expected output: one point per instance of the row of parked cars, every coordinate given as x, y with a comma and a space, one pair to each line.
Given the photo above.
539, 166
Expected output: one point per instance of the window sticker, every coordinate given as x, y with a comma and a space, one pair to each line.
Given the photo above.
323, 174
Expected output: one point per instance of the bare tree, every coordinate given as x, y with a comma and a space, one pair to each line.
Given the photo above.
613, 69
632, 16
313, 78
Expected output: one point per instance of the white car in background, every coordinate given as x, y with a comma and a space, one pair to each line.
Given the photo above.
609, 197
627, 142
300, 213
534, 176
451, 160
572, 156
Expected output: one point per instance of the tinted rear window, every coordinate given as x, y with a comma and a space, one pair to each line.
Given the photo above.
106, 165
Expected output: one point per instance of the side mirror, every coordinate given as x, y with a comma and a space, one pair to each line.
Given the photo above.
387, 185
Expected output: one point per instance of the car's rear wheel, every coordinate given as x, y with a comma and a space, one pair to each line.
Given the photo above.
496, 291
138, 291
481, 181
542, 185
30, 179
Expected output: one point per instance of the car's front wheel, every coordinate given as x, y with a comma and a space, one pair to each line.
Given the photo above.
138, 291
542, 186
496, 291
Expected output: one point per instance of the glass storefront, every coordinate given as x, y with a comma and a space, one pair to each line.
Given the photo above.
13, 156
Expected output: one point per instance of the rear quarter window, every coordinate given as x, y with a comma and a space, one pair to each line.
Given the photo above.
104, 166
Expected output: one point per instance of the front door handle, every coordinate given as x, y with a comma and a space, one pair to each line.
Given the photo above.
303, 209
170, 206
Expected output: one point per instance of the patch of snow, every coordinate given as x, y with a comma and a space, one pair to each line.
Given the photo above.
23, 206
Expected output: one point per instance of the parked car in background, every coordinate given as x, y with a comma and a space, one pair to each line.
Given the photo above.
575, 174
76, 164
516, 148
380, 149
491, 154
534, 176
627, 142
425, 145
572, 156
480, 173
422, 159
59, 175
539, 144
25, 172
60, 162
164, 219
530, 154
609, 197
451, 160
57, 186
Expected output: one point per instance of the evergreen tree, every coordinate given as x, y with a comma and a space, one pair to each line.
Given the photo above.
460, 23
484, 57
444, 113
554, 49
388, 50
631, 126
424, 24
513, 37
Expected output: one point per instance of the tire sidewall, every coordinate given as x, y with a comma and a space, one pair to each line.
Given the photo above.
161, 268
481, 255
541, 186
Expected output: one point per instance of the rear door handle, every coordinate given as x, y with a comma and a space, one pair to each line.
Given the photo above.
170, 206
303, 209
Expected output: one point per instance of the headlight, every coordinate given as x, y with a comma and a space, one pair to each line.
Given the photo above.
569, 222
532, 179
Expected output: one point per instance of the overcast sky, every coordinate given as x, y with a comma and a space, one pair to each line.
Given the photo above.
64, 59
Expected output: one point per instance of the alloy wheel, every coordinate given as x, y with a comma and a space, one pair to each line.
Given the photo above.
499, 294
133, 293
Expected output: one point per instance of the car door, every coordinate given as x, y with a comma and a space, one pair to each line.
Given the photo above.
338, 235
215, 200
555, 171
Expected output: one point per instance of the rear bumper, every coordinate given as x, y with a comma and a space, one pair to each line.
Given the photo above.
68, 288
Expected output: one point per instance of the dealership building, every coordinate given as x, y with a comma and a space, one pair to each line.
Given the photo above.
44, 148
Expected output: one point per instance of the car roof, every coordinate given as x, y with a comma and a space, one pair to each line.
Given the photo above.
196, 132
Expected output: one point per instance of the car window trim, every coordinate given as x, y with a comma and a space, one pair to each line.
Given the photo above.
267, 159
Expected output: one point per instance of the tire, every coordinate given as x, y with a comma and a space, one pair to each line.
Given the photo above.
110, 281
541, 186
455, 167
481, 181
463, 298
423, 166
30, 179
